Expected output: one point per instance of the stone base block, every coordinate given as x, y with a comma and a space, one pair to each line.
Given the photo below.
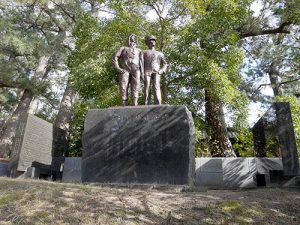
72, 169
3, 168
32, 172
143, 144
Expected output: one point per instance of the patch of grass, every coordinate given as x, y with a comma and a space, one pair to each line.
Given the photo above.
231, 206
240, 213
237, 220
40, 216
84, 188
254, 211
9, 198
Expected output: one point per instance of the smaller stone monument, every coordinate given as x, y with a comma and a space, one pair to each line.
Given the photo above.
275, 131
37, 144
72, 169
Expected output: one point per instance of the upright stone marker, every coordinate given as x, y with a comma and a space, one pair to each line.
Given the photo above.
142, 144
287, 139
35, 142
275, 131
72, 169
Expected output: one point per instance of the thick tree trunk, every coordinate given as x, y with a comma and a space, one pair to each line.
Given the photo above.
9, 128
63, 120
274, 79
220, 144
65, 110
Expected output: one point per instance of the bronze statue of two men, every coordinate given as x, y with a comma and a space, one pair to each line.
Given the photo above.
134, 65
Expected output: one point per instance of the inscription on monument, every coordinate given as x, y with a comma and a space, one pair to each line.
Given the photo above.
153, 144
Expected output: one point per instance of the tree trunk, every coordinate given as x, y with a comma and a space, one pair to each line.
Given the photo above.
65, 110
34, 105
274, 79
164, 90
220, 144
9, 128
62, 121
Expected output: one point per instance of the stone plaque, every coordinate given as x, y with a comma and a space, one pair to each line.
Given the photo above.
72, 169
142, 144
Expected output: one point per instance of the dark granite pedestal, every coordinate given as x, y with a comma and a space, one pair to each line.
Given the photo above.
142, 144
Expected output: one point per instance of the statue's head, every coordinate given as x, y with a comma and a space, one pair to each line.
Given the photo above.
132, 40
150, 41
149, 38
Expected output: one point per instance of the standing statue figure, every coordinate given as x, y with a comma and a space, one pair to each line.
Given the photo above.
128, 61
155, 65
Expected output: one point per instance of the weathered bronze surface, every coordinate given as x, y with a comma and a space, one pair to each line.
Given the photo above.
128, 61
155, 65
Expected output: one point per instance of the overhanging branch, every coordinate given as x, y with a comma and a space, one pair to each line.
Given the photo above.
281, 83
4, 84
72, 17
282, 29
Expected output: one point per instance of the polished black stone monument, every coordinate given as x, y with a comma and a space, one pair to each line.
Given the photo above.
274, 133
141, 144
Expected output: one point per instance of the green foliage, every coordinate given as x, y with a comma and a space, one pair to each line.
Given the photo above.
272, 147
201, 140
31, 30
201, 40
76, 129
8, 100
243, 143
202, 51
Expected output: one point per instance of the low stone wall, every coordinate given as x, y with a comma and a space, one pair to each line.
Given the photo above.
216, 173
234, 172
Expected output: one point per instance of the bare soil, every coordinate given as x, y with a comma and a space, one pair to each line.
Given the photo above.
44, 202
